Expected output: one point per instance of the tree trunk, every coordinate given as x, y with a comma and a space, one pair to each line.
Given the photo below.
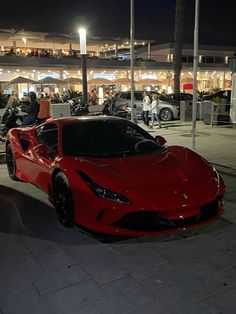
179, 34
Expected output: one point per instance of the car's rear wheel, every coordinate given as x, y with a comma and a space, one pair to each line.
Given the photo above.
11, 163
166, 114
62, 197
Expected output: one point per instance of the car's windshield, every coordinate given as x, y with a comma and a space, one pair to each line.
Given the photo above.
106, 138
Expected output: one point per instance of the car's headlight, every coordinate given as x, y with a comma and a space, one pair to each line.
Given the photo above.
103, 192
216, 175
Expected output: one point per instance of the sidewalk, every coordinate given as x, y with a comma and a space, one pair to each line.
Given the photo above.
216, 144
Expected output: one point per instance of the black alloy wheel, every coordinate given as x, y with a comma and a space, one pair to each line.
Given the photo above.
11, 163
62, 197
166, 114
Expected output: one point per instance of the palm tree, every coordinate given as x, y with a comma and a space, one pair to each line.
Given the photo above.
179, 34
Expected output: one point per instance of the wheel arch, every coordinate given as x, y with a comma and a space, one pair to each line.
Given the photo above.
54, 173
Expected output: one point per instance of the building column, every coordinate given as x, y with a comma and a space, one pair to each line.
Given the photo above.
116, 51
14, 46
223, 81
61, 75
149, 50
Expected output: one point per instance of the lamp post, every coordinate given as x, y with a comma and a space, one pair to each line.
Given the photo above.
195, 66
132, 56
83, 55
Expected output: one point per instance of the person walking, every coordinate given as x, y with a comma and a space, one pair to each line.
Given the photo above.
155, 111
146, 108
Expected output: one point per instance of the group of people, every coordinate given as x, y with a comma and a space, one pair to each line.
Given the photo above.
150, 106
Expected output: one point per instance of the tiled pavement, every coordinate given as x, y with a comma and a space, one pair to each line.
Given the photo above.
46, 268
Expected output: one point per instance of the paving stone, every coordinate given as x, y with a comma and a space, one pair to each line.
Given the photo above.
49, 282
10, 286
222, 302
20, 267
55, 261
115, 304
220, 260
74, 274
154, 308
139, 295
73, 297
115, 286
144, 267
106, 273
40, 247
12, 246
25, 303
90, 309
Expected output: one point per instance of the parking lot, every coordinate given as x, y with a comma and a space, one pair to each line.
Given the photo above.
46, 268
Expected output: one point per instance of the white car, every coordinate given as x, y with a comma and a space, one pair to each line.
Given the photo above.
168, 111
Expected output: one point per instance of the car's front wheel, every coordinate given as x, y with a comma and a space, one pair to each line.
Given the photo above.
166, 114
62, 197
11, 163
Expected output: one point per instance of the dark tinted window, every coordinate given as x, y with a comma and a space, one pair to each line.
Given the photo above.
106, 139
48, 136
138, 96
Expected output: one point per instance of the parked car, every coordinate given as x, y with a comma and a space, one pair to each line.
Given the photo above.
223, 94
176, 98
110, 176
168, 111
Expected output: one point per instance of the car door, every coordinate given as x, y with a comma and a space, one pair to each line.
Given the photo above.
46, 153
138, 97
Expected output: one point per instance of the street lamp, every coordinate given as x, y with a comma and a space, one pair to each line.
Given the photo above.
83, 55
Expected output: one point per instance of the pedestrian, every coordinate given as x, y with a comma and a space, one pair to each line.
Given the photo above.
32, 110
155, 111
146, 108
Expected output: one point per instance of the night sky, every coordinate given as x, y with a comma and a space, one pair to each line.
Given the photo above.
154, 19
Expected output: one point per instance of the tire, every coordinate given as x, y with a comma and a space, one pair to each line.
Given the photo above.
11, 163
3, 133
166, 114
62, 198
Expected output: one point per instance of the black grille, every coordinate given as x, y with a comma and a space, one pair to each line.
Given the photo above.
150, 221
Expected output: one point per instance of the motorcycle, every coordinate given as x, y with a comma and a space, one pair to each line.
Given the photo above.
11, 119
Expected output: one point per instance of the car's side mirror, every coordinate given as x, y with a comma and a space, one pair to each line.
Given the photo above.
160, 140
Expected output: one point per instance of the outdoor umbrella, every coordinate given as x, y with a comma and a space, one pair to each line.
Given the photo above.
123, 81
73, 81
149, 82
99, 81
50, 80
21, 80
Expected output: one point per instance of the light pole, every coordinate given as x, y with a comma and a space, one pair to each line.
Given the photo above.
132, 56
195, 66
83, 55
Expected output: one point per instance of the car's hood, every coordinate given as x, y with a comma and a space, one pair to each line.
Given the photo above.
175, 174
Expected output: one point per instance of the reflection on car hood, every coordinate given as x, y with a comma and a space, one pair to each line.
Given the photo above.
177, 174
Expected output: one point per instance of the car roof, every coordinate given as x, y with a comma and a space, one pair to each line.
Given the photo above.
71, 120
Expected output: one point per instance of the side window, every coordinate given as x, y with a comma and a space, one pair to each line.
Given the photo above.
48, 136
128, 96
138, 96
122, 95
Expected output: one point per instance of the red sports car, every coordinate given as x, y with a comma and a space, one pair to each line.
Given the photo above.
110, 176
